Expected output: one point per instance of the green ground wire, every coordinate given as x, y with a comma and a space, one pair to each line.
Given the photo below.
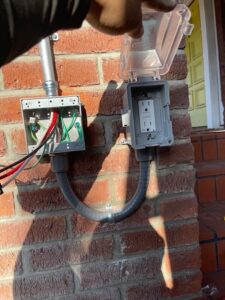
72, 122
79, 130
65, 135
33, 134
34, 137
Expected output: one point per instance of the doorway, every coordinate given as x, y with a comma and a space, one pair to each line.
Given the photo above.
203, 67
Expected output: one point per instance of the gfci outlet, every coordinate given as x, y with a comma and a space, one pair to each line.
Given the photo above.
147, 115
69, 135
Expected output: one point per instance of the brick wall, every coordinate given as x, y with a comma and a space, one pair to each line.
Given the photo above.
49, 252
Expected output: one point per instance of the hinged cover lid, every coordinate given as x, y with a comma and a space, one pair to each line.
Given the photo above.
153, 54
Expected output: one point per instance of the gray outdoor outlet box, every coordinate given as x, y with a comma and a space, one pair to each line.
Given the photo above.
36, 113
146, 115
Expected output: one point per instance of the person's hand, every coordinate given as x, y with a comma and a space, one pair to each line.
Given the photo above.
120, 16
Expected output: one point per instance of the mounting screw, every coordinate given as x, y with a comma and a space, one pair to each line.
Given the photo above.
54, 37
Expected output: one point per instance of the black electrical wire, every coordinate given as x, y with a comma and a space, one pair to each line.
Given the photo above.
29, 154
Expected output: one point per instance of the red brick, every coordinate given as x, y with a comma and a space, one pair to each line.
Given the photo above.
179, 208
7, 205
209, 150
146, 291
221, 254
198, 151
77, 72
18, 141
6, 290
86, 40
175, 235
123, 160
206, 190
221, 149
176, 154
220, 134
45, 285
118, 160
106, 294
46, 258
3, 144
41, 200
140, 218
125, 187
134, 242
178, 70
220, 188
29, 232
208, 253
95, 134
140, 268
211, 168
92, 192
213, 218
10, 264
205, 233
10, 110
108, 102
21, 75
179, 97
110, 68
208, 136
181, 260
41, 173
74, 252
196, 137
121, 271
118, 132
175, 180
89, 250
181, 125
91, 164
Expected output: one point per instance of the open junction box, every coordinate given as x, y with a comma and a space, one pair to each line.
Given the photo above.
69, 135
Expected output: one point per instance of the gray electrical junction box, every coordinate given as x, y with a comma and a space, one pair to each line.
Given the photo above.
68, 135
146, 115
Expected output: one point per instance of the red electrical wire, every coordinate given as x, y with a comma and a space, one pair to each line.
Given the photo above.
48, 132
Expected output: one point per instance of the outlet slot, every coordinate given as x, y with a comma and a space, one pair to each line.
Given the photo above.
147, 115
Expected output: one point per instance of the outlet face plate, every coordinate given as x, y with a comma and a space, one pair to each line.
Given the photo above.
147, 104
147, 115
69, 135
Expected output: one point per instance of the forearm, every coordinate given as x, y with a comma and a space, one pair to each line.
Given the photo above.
23, 23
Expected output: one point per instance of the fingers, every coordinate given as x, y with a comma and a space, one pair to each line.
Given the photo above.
164, 5
116, 16
120, 16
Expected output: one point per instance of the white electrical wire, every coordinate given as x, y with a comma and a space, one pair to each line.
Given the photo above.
13, 177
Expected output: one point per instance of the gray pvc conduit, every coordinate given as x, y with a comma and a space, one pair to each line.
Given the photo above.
93, 214
60, 162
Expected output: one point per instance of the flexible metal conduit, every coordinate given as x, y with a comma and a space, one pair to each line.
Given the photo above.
60, 163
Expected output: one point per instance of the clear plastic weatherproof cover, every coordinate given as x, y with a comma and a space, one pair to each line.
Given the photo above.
153, 53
